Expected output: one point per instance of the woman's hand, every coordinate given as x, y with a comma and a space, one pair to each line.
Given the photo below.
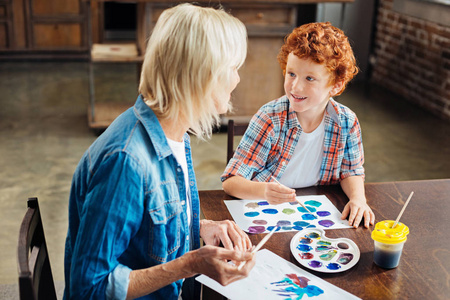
212, 261
276, 193
356, 209
225, 232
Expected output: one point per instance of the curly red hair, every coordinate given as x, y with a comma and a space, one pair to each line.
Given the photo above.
324, 44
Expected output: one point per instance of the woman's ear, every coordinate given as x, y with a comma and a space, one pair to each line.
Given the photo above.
337, 88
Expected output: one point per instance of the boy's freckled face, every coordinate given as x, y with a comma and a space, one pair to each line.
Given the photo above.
306, 84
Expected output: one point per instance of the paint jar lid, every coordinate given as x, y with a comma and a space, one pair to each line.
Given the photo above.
384, 232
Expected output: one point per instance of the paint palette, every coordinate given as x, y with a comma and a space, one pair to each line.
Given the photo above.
315, 251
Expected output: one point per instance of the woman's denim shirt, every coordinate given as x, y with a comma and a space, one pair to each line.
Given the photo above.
127, 209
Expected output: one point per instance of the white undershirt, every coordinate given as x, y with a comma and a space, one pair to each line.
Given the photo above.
180, 154
304, 167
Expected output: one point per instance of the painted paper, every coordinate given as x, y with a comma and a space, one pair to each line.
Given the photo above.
258, 216
272, 277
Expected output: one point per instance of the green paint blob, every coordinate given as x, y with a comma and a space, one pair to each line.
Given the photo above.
288, 211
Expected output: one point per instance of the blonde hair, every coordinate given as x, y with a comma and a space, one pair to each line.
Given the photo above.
191, 55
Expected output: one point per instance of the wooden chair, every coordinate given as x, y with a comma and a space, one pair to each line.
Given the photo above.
234, 129
35, 274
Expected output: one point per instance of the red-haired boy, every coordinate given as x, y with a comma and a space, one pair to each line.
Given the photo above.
305, 138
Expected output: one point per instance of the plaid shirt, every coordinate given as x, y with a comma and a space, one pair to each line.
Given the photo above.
269, 142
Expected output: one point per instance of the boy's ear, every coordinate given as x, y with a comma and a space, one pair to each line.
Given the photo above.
337, 88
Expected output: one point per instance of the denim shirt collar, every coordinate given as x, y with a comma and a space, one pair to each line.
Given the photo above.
151, 124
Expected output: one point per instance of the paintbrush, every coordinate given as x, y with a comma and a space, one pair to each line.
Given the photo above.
313, 214
403, 209
260, 244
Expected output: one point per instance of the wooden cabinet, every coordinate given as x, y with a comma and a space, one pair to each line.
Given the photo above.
43, 28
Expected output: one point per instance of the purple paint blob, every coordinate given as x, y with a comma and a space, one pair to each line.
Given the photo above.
333, 266
283, 223
256, 229
345, 258
306, 255
323, 213
261, 203
308, 217
260, 222
326, 223
310, 208
270, 211
251, 214
313, 203
304, 248
315, 264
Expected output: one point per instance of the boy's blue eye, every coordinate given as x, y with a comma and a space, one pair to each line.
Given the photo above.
291, 74
309, 78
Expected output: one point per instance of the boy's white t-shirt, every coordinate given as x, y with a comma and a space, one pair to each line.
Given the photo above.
303, 169
180, 154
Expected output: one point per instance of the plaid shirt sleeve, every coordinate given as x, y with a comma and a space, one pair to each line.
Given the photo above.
353, 160
253, 154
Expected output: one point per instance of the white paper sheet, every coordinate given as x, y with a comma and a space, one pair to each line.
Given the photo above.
257, 216
272, 277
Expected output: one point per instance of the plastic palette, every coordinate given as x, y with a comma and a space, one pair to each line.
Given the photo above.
315, 251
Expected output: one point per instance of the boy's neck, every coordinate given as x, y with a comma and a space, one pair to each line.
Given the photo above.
311, 119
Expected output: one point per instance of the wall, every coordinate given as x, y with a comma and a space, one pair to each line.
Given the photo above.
412, 58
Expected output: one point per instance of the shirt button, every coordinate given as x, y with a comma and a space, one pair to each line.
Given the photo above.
191, 183
187, 238
183, 202
283, 163
179, 169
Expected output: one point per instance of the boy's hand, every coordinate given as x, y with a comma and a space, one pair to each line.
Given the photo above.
356, 209
276, 193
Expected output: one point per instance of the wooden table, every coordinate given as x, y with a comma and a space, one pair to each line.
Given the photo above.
424, 269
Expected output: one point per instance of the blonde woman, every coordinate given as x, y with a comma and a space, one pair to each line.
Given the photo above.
134, 228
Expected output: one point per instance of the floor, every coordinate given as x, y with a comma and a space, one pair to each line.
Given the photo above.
44, 132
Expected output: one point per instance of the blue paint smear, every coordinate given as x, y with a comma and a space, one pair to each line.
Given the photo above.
261, 203
333, 266
283, 223
311, 226
270, 228
313, 203
270, 211
251, 214
304, 248
302, 210
297, 228
287, 228
310, 291
301, 223
308, 217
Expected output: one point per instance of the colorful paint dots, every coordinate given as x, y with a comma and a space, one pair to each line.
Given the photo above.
326, 223
313, 235
304, 248
323, 243
333, 266
308, 217
251, 214
302, 210
306, 255
315, 264
270, 211
324, 248
260, 222
262, 203
323, 213
252, 205
301, 223
345, 258
256, 229
288, 211
283, 223
313, 203
305, 240
328, 256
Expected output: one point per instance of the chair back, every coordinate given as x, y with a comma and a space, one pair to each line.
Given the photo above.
234, 129
35, 274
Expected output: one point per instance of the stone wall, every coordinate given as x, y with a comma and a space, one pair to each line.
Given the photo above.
412, 59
